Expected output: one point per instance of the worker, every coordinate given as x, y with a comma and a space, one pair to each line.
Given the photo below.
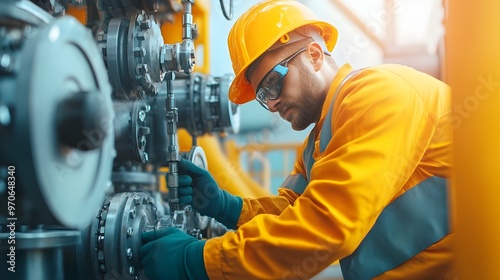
369, 187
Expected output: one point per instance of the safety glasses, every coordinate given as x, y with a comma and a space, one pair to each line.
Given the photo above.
271, 85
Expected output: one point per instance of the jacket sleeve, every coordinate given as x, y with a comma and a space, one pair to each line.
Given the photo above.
381, 130
273, 204
266, 205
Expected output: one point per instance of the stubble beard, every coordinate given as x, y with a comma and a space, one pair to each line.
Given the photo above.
309, 104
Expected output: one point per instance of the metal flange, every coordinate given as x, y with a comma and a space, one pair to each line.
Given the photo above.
203, 104
131, 49
111, 243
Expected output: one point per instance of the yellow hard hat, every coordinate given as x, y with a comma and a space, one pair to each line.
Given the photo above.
261, 27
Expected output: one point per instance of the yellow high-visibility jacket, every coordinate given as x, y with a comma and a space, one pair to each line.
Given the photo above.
370, 189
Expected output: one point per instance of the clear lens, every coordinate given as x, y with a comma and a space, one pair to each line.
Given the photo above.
261, 98
273, 84
270, 87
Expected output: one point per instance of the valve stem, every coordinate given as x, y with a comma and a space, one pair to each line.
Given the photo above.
173, 156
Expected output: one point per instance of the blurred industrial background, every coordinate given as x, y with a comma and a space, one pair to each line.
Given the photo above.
85, 84
371, 33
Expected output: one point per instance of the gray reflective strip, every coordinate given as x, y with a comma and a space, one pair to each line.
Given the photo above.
296, 183
325, 134
326, 131
307, 156
410, 224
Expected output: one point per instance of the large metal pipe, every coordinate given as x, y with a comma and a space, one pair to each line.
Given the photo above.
473, 71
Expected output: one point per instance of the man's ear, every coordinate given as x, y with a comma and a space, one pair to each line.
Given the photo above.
316, 55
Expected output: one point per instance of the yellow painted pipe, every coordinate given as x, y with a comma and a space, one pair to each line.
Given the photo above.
172, 33
472, 69
228, 174
80, 13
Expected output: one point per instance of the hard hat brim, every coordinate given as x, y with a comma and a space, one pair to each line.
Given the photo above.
241, 90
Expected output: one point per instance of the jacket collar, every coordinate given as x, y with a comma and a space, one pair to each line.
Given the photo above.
339, 77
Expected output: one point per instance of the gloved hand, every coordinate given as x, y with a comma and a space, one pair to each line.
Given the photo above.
198, 188
170, 253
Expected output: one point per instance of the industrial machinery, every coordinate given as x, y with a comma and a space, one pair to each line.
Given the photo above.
89, 120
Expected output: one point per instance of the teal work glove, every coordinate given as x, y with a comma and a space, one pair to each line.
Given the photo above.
199, 189
170, 253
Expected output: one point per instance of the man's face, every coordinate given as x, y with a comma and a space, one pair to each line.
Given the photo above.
299, 100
